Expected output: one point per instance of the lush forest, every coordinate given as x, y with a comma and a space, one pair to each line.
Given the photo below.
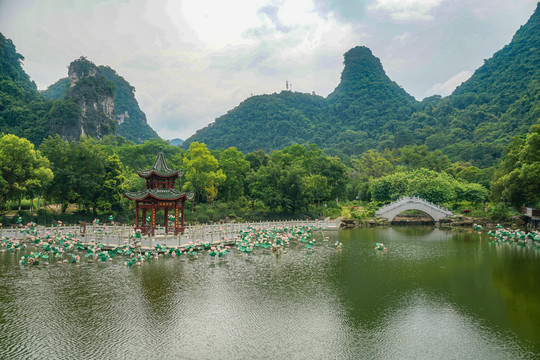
91, 176
369, 111
23, 111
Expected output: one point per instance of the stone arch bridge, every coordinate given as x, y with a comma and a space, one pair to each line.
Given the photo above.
413, 203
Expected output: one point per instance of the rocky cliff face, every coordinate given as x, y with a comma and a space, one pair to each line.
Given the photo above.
94, 95
131, 120
132, 124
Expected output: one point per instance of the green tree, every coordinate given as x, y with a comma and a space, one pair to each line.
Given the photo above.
235, 167
113, 187
374, 164
316, 188
23, 171
87, 176
134, 156
202, 173
518, 179
61, 188
257, 159
418, 157
436, 187
263, 186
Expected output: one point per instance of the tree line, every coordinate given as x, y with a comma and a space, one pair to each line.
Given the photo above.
95, 174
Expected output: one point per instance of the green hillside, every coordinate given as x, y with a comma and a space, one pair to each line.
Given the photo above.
266, 122
366, 98
23, 111
132, 123
56, 90
367, 110
34, 115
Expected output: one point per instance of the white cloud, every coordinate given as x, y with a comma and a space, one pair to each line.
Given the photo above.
260, 60
402, 38
450, 85
407, 9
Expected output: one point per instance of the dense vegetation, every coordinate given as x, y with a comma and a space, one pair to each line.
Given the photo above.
132, 123
26, 112
267, 122
517, 179
23, 111
296, 181
369, 111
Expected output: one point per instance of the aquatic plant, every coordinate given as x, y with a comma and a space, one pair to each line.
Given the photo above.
514, 237
67, 247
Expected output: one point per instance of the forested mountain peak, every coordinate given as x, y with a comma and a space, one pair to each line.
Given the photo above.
366, 98
131, 120
265, 122
360, 63
363, 72
364, 101
81, 68
90, 101
93, 94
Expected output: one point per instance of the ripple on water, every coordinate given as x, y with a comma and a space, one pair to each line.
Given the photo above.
302, 305
431, 328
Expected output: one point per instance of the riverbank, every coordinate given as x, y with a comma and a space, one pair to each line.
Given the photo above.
454, 221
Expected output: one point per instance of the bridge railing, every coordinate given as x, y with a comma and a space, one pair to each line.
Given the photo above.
405, 199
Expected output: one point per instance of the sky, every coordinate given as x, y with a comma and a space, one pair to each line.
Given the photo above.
193, 61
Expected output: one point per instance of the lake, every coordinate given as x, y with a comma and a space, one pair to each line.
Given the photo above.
434, 294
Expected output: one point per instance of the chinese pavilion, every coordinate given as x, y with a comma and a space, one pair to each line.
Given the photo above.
159, 194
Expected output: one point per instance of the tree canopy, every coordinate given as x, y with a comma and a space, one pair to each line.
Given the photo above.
24, 172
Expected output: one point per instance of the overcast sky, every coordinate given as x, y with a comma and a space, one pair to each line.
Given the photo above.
192, 61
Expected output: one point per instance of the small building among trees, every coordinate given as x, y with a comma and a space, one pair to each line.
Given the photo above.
159, 194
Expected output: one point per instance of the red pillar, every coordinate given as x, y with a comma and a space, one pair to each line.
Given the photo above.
166, 211
176, 218
136, 215
153, 218
183, 214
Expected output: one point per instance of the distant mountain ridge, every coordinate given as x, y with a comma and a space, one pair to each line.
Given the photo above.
274, 121
367, 110
176, 142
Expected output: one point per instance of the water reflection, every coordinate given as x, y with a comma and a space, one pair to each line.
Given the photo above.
433, 295
425, 327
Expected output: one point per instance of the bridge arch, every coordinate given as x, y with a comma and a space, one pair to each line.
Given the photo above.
434, 211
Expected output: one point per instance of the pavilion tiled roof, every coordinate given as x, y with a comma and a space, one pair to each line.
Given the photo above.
159, 194
160, 168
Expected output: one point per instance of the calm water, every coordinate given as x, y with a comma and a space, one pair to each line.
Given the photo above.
434, 295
